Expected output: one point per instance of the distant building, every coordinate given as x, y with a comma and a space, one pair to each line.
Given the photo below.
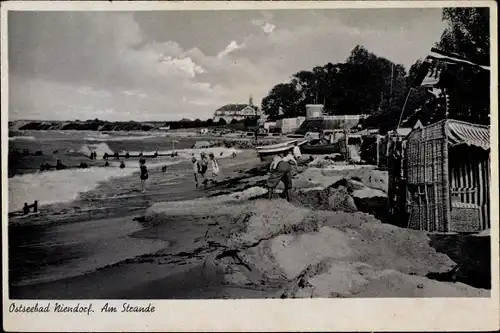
289, 125
269, 124
314, 110
338, 123
237, 111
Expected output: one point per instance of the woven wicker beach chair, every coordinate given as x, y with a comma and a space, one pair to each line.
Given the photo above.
465, 216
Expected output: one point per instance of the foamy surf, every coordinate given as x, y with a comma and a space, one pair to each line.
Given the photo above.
62, 186
99, 148
20, 138
102, 137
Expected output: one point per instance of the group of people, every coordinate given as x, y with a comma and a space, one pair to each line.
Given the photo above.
60, 166
282, 169
116, 155
200, 167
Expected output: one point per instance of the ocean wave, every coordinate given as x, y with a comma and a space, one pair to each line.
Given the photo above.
119, 138
125, 137
61, 186
99, 148
16, 138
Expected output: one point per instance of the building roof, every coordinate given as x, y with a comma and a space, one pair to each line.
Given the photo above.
235, 107
365, 132
461, 132
402, 131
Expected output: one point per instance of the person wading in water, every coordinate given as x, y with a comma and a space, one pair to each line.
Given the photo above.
144, 174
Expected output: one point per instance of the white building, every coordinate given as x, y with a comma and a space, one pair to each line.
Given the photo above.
269, 124
289, 125
236, 111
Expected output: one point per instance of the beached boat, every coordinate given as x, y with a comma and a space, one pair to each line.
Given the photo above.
295, 136
267, 152
278, 145
314, 147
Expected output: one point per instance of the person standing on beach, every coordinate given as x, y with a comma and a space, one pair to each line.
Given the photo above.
59, 165
215, 166
195, 169
202, 167
296, 151
280, 172
294, 165
144, 174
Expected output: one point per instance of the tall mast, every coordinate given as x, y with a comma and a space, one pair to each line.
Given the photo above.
390, 93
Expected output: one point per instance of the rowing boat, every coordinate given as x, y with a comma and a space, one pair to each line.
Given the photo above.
278, 145
272, 150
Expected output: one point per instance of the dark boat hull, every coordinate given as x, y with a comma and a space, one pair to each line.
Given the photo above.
319, 149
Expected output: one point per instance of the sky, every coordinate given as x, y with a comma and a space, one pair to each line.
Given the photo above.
168, 65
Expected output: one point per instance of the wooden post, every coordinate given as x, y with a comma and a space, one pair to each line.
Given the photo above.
446, 104
35, 206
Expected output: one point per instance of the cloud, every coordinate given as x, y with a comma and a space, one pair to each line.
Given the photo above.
91, 91
123, 66
265, 26
185, 65
135, 93
229, 48
268, 28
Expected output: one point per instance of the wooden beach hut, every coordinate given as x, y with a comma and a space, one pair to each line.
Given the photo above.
447, 173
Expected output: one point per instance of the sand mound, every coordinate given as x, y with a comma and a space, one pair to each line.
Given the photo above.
337, 253
324, 177
204, 206
329, 251
331, 278
346, 195
293, 253
265, 219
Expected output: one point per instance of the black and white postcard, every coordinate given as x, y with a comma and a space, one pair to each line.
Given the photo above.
249, 166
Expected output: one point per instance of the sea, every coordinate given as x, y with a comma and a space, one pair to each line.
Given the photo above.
27, 183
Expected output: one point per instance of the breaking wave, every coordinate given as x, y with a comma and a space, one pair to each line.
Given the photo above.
51, 187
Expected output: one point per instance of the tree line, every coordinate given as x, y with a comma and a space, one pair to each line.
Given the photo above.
368, 84
197, 123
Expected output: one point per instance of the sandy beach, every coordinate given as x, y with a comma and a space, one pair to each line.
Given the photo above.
229, 241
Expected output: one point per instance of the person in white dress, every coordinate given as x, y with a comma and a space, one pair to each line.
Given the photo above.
215, 166
296, 151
